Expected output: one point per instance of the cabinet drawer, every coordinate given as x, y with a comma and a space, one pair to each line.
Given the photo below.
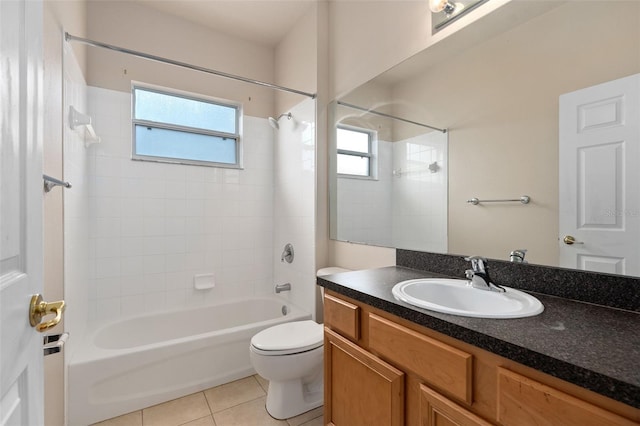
523, 402
342, 316
442, 366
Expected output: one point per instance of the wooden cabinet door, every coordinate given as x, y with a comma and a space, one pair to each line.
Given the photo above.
436, 410
525, 402
360, 389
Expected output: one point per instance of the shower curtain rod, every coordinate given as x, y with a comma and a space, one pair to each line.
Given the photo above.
68, 37
382, 114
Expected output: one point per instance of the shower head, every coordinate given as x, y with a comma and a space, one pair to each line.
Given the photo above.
274, 121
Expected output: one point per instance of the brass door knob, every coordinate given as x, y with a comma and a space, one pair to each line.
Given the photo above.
569, 240
38, 308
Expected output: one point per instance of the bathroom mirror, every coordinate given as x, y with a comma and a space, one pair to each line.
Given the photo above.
495, 85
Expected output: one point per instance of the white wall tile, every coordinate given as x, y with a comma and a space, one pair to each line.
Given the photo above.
131, 266
156, 225
107, 287
107, 247
133, 246
153, 264
132, 285
153, 207
108, 267
106, 226
293, 207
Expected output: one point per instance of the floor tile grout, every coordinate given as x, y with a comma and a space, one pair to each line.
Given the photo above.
237, 405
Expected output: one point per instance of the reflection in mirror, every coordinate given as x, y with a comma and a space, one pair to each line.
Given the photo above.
496, 85
390, 185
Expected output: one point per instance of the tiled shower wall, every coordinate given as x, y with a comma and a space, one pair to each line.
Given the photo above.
294, 204
78, 261
153, 226
406, 206
364, 205
420, 202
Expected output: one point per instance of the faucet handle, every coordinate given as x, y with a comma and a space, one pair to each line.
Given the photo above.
517, 255
478, 263
469, 274
472, 258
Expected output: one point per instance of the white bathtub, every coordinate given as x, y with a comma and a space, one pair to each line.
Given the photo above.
138, 362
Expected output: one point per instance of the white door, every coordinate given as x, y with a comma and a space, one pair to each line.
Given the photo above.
600, 177
21, 371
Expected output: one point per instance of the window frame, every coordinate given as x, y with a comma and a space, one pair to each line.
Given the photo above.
186, 129
372, 155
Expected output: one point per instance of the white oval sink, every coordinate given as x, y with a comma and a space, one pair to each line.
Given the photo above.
451, 296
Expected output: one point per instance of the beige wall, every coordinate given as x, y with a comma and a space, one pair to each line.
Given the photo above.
58, 16
134, 26
296, 62
369, 37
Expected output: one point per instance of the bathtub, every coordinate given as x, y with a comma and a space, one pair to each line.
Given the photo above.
137, 362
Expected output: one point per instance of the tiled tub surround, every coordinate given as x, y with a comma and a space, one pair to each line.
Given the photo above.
152, 226
592, 346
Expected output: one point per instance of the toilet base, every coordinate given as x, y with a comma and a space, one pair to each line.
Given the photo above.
291, 398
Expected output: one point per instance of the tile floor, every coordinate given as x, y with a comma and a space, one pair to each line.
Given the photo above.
239, 403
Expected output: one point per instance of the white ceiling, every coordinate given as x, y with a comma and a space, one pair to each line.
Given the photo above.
261, 21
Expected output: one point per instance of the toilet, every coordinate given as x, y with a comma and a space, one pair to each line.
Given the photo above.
290, 356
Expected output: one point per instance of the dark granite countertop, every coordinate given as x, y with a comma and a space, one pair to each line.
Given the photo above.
592, 346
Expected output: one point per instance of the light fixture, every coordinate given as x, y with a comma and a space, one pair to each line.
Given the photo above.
438, 6
446, 11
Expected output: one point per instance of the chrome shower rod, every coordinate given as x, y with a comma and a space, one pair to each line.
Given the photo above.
68, 37
382, 114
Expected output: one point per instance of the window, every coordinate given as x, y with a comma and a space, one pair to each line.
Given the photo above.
178, 127
355, 152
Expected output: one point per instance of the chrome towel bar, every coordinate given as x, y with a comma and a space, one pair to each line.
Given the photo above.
50, 182
524, 200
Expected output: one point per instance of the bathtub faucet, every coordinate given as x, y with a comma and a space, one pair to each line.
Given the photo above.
287, 253
283, 287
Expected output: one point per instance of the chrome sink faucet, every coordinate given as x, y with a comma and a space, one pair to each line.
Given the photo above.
478, 275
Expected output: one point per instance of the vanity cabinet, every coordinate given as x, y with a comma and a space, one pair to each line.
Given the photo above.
362, 389
384, 370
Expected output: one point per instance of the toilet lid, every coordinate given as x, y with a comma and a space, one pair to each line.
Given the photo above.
290, 337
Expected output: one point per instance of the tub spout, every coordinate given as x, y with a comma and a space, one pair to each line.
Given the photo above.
283, 287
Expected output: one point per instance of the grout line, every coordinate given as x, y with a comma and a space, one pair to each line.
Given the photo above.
209, 405
239, 404
199, 418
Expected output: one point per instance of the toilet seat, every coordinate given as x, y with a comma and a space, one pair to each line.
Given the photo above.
288, 338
